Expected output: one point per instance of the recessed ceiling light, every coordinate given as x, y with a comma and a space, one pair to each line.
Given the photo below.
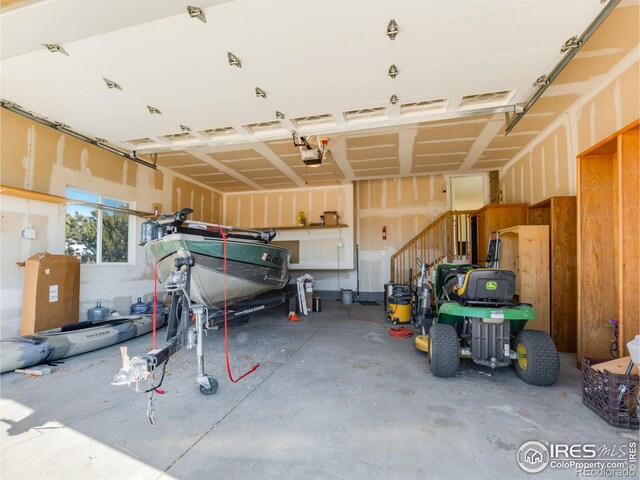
53, 48
393, 71
111, 84
260, 93
154, 110
394, 99
279, 115
196, 12
184, 128
392, 29
233, 60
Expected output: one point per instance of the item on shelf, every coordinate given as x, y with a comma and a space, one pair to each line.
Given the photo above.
331, 218
302, 219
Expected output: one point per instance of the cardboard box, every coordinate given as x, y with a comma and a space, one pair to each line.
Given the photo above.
331, 218
617, 366
51, 292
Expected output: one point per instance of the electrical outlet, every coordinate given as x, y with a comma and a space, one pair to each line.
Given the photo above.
29, 233
339, 244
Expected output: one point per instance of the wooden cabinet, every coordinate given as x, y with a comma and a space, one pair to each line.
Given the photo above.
559, 213
608, 184
525, 251
491, 218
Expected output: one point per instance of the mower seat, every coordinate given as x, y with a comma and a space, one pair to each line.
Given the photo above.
488, 286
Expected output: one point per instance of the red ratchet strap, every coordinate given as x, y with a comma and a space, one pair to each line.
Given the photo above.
226, 329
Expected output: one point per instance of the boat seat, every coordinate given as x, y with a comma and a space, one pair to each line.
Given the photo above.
488, 285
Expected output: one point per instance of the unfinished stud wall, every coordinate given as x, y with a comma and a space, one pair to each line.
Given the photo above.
39, 158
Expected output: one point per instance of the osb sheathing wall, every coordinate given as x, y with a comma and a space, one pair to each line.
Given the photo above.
39, 158
594, 97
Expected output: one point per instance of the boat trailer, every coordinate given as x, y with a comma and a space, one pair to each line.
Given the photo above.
181, 334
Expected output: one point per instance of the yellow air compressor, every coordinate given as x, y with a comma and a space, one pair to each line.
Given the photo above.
399, 308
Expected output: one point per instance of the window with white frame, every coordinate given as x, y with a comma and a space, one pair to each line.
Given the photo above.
97, 236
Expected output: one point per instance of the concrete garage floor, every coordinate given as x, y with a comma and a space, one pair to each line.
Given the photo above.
333, 398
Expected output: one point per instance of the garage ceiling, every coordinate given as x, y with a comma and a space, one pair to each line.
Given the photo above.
323, 64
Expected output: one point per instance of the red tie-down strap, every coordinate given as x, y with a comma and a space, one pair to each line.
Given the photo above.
226, 328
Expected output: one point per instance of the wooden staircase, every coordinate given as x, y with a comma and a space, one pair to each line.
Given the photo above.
446, 239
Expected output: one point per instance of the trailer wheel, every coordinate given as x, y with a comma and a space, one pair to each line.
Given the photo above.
538, 362
444, 350
213, 387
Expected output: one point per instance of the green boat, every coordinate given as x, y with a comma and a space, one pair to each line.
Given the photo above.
253, 267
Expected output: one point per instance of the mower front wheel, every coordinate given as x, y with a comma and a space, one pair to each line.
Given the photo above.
538, 362
444, 350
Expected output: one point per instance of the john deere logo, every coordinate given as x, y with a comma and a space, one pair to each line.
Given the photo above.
491, 285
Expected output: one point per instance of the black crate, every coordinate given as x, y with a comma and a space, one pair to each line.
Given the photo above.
613, 397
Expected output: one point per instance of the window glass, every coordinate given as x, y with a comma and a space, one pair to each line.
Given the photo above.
96, 236
115, 233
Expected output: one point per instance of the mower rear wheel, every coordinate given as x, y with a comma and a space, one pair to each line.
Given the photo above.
538, 362
444, 350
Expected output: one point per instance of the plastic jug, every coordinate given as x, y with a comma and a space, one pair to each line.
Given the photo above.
97, 313
159, 306
139, 307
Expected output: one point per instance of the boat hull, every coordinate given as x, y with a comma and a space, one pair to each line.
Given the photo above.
252, 268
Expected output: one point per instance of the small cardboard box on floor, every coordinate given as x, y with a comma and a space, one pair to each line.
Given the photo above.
51, 292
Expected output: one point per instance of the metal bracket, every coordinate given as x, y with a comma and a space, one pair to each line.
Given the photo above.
570, 48
572, 43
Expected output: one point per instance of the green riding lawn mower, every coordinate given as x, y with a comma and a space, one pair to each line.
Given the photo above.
476, 317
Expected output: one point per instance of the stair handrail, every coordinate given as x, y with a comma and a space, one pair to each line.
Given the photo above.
446, 243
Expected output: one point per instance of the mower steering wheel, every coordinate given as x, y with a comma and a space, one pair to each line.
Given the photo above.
460, 268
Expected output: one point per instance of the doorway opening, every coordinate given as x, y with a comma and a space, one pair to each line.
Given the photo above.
468, 192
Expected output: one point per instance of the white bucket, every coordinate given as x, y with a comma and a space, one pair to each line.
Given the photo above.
347, 296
